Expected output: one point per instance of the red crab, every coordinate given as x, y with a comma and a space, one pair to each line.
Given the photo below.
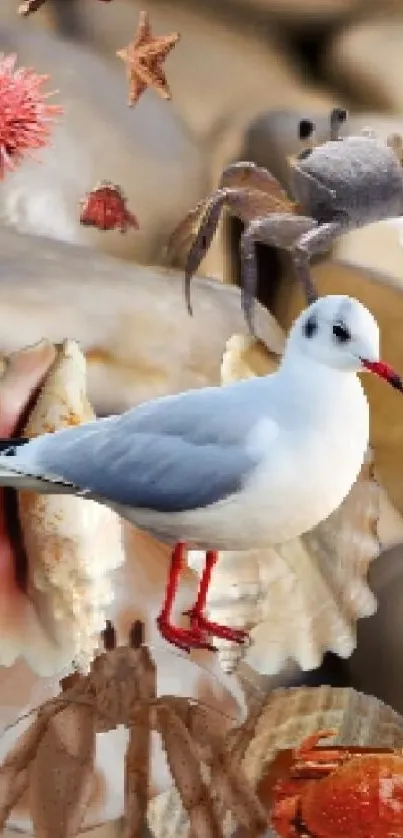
105, 208
336, 792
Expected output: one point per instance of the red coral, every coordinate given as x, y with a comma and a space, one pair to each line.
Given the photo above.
25, 117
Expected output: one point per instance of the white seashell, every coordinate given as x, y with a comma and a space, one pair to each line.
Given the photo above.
283, 719
72, 543
302, 598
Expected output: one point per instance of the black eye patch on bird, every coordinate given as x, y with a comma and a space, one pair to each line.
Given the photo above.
341, 333
311, 326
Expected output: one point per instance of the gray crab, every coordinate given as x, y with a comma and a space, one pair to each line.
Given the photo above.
338, 186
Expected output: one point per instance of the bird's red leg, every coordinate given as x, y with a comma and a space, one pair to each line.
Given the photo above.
198, 622
182, 638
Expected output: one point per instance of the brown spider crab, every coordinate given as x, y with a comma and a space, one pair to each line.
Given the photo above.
53, 760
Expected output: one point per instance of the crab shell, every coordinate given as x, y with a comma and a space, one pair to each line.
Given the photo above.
303, 598
363, 797
72, 544
332, 791
353, 171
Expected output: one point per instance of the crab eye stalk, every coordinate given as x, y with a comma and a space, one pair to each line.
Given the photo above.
338, 117
305, 129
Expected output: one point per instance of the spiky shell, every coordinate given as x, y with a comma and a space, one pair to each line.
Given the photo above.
72, 544
318, 581
282, 720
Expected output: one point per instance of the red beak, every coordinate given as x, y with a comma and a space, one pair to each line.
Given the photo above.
384, 371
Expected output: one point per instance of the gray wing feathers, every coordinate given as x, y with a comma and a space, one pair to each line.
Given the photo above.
173, 454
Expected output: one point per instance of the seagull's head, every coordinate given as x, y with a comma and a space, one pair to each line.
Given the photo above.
339, 332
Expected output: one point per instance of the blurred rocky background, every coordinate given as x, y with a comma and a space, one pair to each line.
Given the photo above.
242, 75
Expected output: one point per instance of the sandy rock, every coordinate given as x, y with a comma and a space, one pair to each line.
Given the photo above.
131, 321
146, 150
366, 59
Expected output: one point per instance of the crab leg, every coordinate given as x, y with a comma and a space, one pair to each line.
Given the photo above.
338, 117
184, 765
137, 768
61, 777
248, 192
281, 230
247, 175
230, 782
14, 771
203, 238
313, 242
228, 779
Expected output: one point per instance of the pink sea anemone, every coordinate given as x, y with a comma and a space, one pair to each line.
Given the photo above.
25, 117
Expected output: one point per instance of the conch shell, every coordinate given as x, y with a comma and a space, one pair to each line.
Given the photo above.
302, 598
71, 544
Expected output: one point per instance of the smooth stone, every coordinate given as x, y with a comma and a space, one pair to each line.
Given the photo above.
131, 320
146, 150
366, 59
294, 13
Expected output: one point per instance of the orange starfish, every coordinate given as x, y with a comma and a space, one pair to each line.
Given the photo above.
144, 58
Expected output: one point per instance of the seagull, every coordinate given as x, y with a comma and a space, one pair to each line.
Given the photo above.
239, 467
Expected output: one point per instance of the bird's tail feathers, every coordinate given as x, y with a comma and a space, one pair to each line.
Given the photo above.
14, 476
